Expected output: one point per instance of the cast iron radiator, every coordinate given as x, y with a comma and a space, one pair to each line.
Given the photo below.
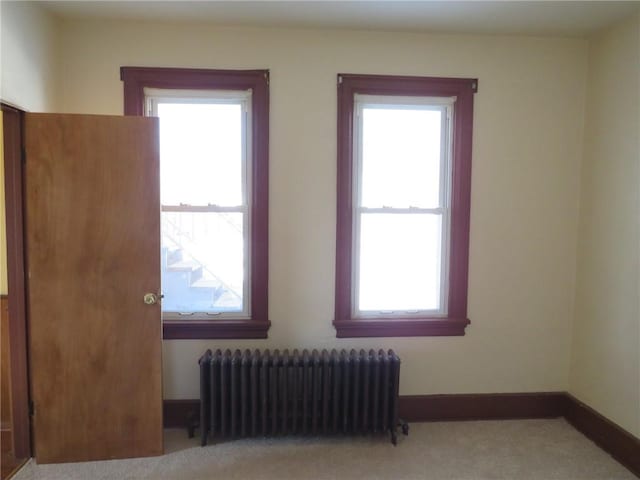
273, 393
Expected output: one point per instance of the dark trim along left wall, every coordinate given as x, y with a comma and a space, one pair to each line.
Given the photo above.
12, 132
619, 443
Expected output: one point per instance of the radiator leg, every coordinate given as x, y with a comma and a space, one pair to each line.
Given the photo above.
394, 433
203, 436
405, 427
192, 424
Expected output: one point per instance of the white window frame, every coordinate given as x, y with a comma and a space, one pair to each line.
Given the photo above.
446, 106
154, 96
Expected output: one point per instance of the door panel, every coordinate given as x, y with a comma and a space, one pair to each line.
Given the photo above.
93, 250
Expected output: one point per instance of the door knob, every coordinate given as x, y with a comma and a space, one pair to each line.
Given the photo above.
150, 298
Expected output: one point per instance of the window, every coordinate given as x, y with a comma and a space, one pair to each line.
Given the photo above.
404, 181
214, 181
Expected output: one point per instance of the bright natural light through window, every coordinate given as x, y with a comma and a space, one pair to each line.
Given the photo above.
204, 186
201, 153
402, 148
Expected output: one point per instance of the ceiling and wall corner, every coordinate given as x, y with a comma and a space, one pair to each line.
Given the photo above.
29, 55
535, 18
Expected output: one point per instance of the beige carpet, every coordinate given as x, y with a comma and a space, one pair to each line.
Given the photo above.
515, 449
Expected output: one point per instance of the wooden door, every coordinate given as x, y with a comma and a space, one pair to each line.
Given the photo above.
93, 252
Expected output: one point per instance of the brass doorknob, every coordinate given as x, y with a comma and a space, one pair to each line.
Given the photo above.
150, 298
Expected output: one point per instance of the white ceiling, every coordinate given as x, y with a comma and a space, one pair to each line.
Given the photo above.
566, 18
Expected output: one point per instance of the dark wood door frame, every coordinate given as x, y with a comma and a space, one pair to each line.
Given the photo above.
14, 208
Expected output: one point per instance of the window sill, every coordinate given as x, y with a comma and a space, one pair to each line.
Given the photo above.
229, 329
398, 327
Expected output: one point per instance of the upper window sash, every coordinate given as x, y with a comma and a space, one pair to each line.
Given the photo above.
155, 96
444, 105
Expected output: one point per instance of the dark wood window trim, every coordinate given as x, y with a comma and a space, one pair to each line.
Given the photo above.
456, 320
13, 119
135, 80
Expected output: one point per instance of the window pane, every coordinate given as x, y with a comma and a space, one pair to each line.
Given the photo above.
201, 153
202, 262
400, 261
401, 157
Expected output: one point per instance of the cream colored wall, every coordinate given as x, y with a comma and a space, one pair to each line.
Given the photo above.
28, 56
527, 152
28, 71
605, 366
